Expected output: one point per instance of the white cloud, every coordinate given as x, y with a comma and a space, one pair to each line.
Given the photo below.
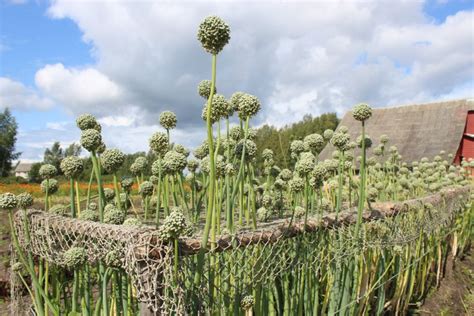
79, 90
15, 95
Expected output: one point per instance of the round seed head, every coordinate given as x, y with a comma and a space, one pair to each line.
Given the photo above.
343, 129
132, 221
235, 133
204, 89
159, 143
25, 200
112, 160
174, 162
146, 188
89, 215
87, 121
306, 163
340, 141
214, 34
297, 147
47, 171
51, 184
91, 139
126, 184
319, 172
361, 112
72, 166
109, 194
113, 215
250, 149
59, 209
328, 134
286, 175
247, 302
368, 141
299, 212
173, 225
8, 201
263, 214
267, 154
193, 164
313, 142
74, 257
168, 119
113, 258
248, 105
384, 139
296, 184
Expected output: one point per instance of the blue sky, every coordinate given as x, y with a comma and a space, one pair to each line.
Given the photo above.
59, 59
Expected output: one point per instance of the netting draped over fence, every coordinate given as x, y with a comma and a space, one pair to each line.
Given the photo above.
240, 261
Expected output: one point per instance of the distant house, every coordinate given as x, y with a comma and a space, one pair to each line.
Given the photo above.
418, 131
22, 170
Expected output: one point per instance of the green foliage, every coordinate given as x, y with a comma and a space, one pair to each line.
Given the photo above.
279, 140
8, 132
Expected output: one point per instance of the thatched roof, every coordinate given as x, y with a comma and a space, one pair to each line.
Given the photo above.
418, 131
23, 167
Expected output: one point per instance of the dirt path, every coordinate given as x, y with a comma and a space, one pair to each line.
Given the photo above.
455, 295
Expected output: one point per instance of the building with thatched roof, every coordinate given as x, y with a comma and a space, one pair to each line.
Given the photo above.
421, 130
22, 170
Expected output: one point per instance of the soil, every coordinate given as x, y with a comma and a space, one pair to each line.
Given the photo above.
455, 295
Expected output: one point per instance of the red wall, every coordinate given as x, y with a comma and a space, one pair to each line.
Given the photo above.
466, 150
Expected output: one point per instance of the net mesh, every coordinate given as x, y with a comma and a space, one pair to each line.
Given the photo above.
234, 264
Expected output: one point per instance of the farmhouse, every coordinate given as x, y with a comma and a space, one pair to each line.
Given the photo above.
22, 170
421, 130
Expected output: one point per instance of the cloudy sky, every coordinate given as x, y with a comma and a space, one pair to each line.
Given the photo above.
126, 61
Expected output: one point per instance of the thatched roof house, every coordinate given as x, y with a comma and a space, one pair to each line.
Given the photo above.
421, 130
22, 169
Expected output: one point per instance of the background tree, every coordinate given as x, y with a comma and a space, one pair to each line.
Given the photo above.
54, 155
279, 140
8, 132
72, 150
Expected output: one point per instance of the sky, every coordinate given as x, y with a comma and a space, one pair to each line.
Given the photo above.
127, 61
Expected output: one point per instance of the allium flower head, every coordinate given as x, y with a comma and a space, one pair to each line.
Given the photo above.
146, 188
127, 184
220, 108
267, 154
112, 160
378, 151
25, 200
286, 175
47, 171
340, 141
132, 221
168, 119
159, 143
204, 89
229, 169
235, 133
368, 141
72, 166
141, 163
247, 302
248, 105
320, 171
235, 99
328, 134
250, 149
181, 149
263, 214
343, 129
89, 215
87, 121
214, 34
313, 142
306, 163
109, 194
297, 147
113, 258
173, 225
296, 184
299, 212
193, 164
8, 201
174, 162
74, 256
91, 139
361, 112
51, 184
59, 209
384, 139
113, 215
